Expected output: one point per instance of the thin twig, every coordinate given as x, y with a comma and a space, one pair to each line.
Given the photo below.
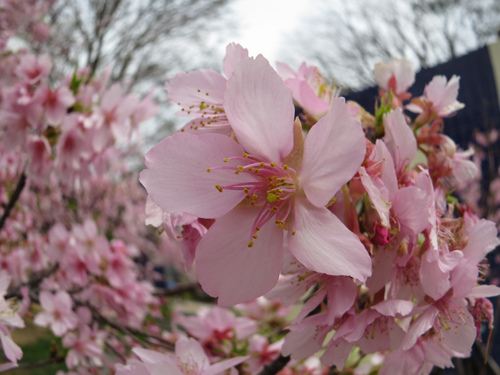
45, 362
13, 199
178, 290
147, 337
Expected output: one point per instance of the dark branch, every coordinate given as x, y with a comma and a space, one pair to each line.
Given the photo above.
13, 199
275, 366
45, 362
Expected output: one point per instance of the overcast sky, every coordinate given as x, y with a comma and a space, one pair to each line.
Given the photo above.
265, 23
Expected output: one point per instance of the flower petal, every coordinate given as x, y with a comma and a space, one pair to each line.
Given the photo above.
195, 88
227, 268
177, 178
399, 138
333, 151
260, 109
234, 54
323, 244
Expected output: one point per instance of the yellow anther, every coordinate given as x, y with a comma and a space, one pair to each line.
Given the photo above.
252, 203
241, 168
208, 170
226, 160
273, 164
257, 229
245, 155
279, 223
250, 244
255, 196
236, 172
195, 128
285, 167
255, 236
199, 90
293, 233
256, 171
245, 190
206, 93
218, 187
250, 169
262, 164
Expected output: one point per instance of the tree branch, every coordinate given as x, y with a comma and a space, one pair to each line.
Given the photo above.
275, 366
13, 199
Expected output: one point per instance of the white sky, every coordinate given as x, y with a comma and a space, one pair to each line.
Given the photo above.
264, 24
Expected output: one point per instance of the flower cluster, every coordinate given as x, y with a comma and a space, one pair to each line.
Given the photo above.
332, 238
347, 214
69, 230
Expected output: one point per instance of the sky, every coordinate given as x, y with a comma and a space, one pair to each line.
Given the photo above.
265, 23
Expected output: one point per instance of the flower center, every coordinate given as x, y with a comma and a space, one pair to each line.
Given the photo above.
272, 190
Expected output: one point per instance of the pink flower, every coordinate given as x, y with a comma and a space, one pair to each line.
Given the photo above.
261, 186
396, 75
189, 359
201, 94
56, 103
85, 347
216, 325
442, 96
58, 313
309, 88
33, 69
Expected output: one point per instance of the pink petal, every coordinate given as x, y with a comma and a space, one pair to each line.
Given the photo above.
11, 350
482, 239
260, 109
460, 324
323, 244
189, 350
221, 318
64, 300
484, 291
177, 178
380, 203
234, 54
394, 307
111, 98
192, 89
219, 367
198, 126
47, 300
306, 97
442, 93
150, 356
434, 281
421, 325
227, 268
389, 177
342, 293
284, 70
411, 207
333, 151
399, 138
